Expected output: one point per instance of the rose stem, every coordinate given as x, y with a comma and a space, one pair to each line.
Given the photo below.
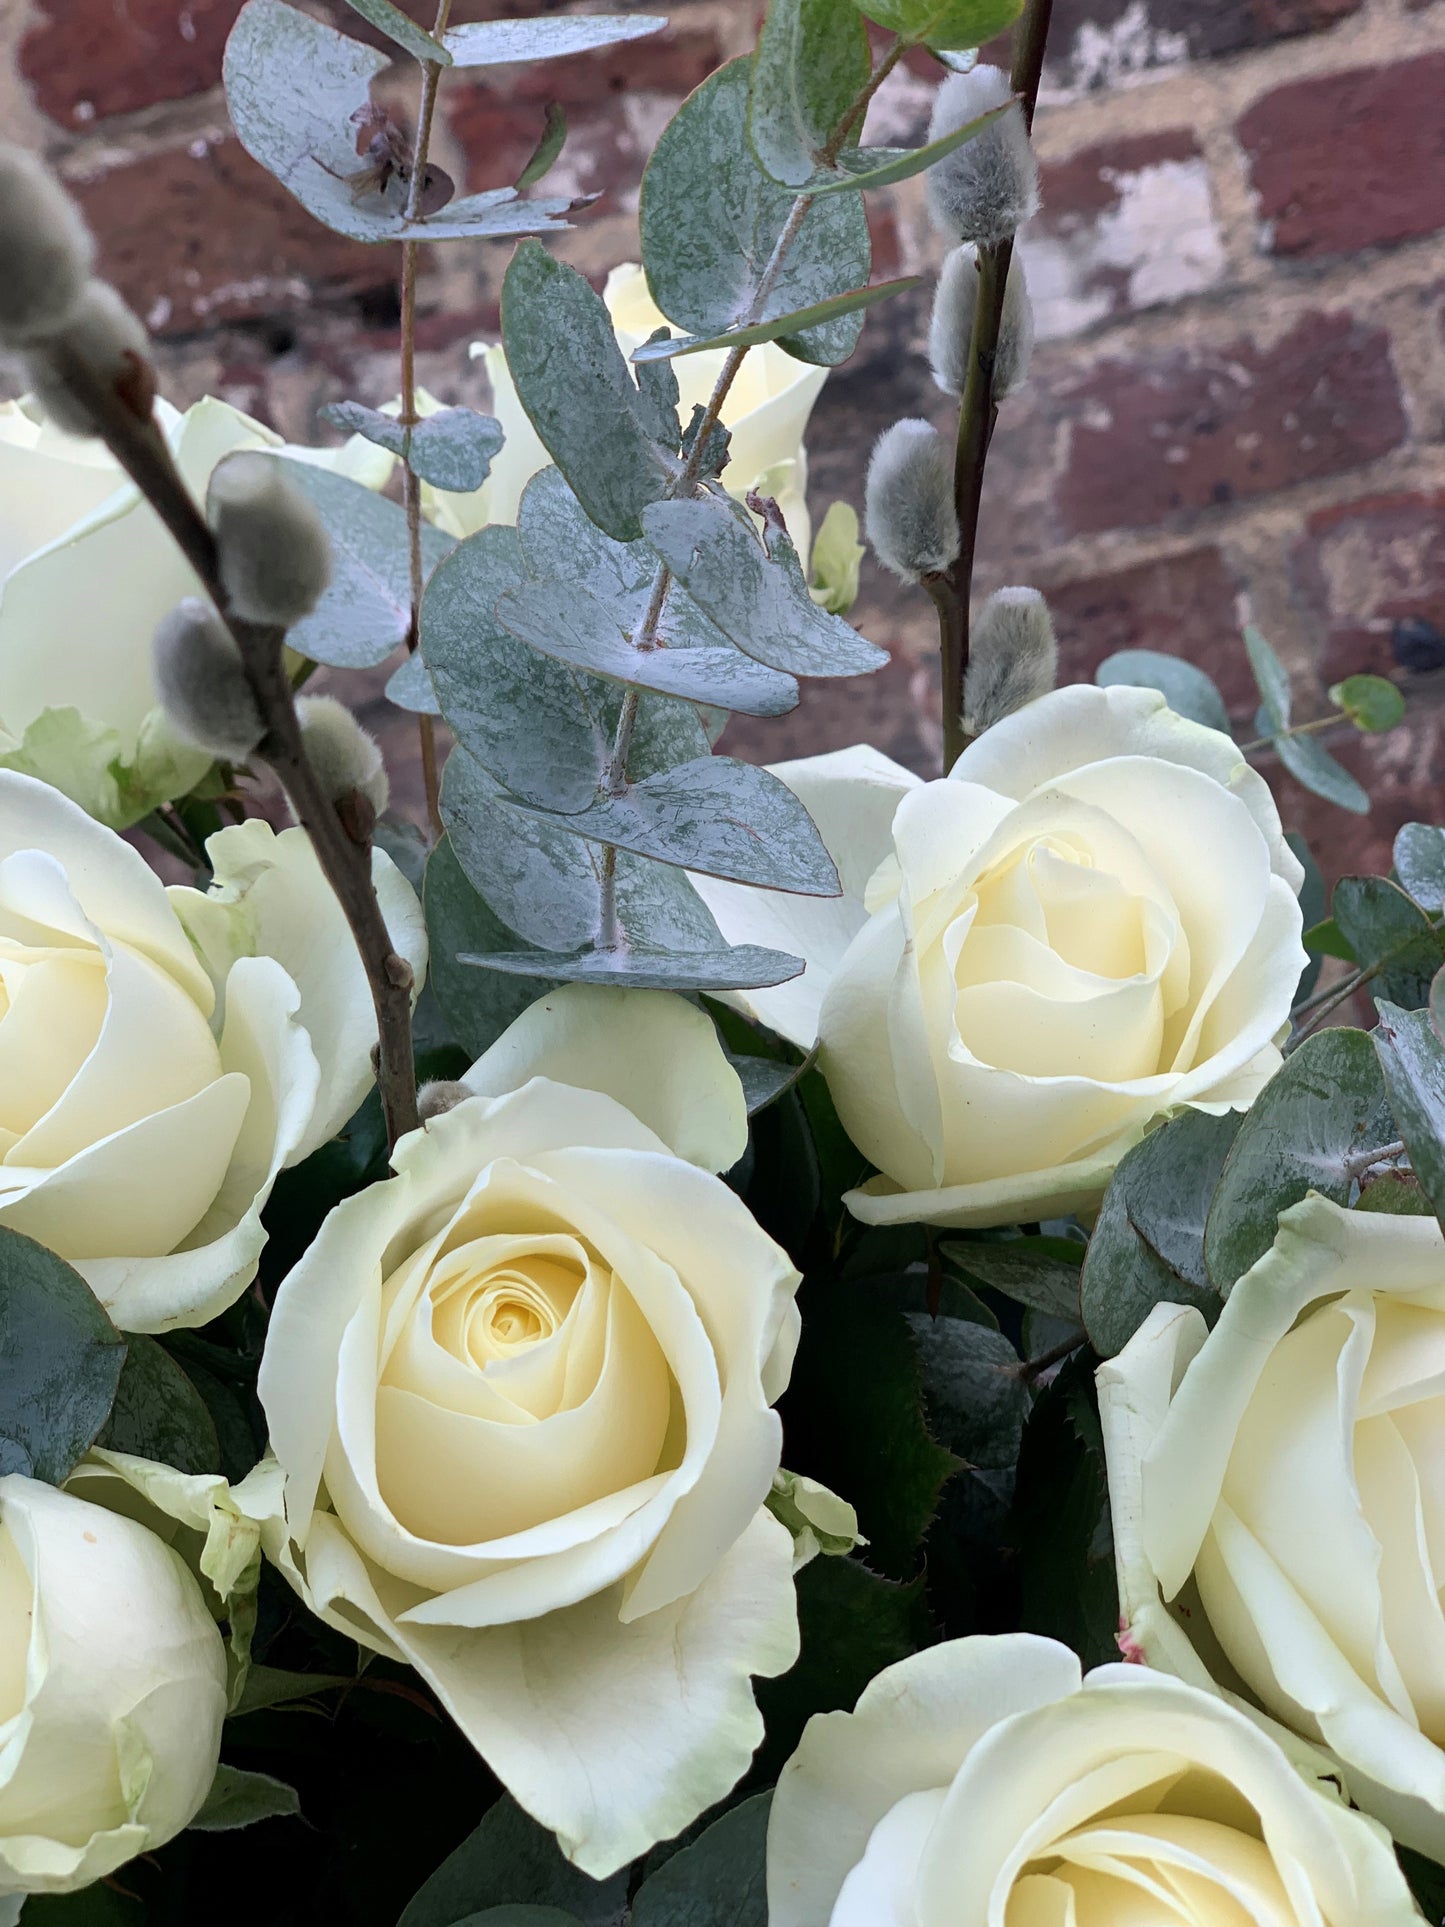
410, 486
141, 450
978, 410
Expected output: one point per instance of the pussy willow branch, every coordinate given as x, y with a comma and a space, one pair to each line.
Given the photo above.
978, 410
410, 486
610, 935
141, 449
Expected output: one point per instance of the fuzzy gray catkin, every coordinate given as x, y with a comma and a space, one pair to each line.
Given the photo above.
46, 250
908, 503
272, 548
342, 754
950, 333
202, 683
443, 1094
104, 335
985, 190
1013, 658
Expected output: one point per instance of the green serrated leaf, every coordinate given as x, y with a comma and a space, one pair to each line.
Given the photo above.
238, 1799
1419, 859
710, 219
509, 1859
548, 150
1327, 1102
774, 330
1413, 1061
158, 1413
977, 1402
500, 43
760, 603
1186, 689
720, 1880
811, 63
1371, 702
944, 23
60, 1362
573, 382
292, 86
404, 32
1391, 937
452, 449
268, 1686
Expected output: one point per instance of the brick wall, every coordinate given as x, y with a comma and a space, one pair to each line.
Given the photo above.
1238, 405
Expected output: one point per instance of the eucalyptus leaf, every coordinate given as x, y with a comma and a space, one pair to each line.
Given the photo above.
548, 151
268, 1686
1325, 1104
402, 30
238, 1799
774, 330
634, 967
1419, 859
410, 688
1186, 688
452, 449
761, 604
944, 23
573, 382
292, 85
60, 1361
1371, 702
1310, 763
1413, 1061
366, 610
711, 220
766, 1079
158, 1413
867, 168
477, 1005
1031, 1277
1271, 679
518, 1913
566, 622
1391, 937
717, 816
812, 61
498, 43
719, 1880
510, 1859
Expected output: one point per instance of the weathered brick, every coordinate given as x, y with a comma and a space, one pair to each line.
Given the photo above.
1093, 43
1125, 225
198, 234
1363, 566
1182, 429
1181, 605
86, 59
1348, 161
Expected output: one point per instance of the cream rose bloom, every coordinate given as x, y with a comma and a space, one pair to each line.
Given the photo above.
1091, 922
766, 412
87, 570
984, 1784
519, 1397
163, 1054
112, 1690
1278, 1492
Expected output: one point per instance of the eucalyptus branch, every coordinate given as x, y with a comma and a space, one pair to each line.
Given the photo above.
410, 485
140, 448
951, 590
1359, 1162
1297, 729
1028, 1369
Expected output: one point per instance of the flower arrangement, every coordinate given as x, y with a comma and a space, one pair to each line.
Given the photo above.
690, 1342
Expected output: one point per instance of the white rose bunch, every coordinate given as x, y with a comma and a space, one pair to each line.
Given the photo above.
1091, 922
984, 1783
766, 413
87, 572
1278, 1504
163, 1054
519, 1400
112, 1690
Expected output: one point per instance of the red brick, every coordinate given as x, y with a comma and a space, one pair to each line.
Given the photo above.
1349, 161
1094, 41
1181, 605
1184, 429
200, 234
85, 59
1363, 566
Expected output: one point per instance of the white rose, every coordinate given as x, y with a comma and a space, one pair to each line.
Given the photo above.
984, 1784
1092, 921
519, 1396
1278, 1493
87, 570
151, 1087
112, 1690
766, 412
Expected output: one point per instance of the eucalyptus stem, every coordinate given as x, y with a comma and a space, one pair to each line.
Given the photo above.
1297, 729
138, 445
978, 412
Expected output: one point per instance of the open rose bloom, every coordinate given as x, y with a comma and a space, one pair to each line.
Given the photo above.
1278, 1496
984, 1783
1091, 922
519, 1397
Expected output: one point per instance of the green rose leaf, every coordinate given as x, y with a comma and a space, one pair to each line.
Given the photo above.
452, 449
268, 1686
1370, 702
1391, 936
508, 1861
60, 1362
1413, 1062
1061, 1522
238, 1799
1326, 1104
976, 1400
944, 23
710, 220
718, 1881
158, 1413
1186, 689
1419, 858
573, 382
